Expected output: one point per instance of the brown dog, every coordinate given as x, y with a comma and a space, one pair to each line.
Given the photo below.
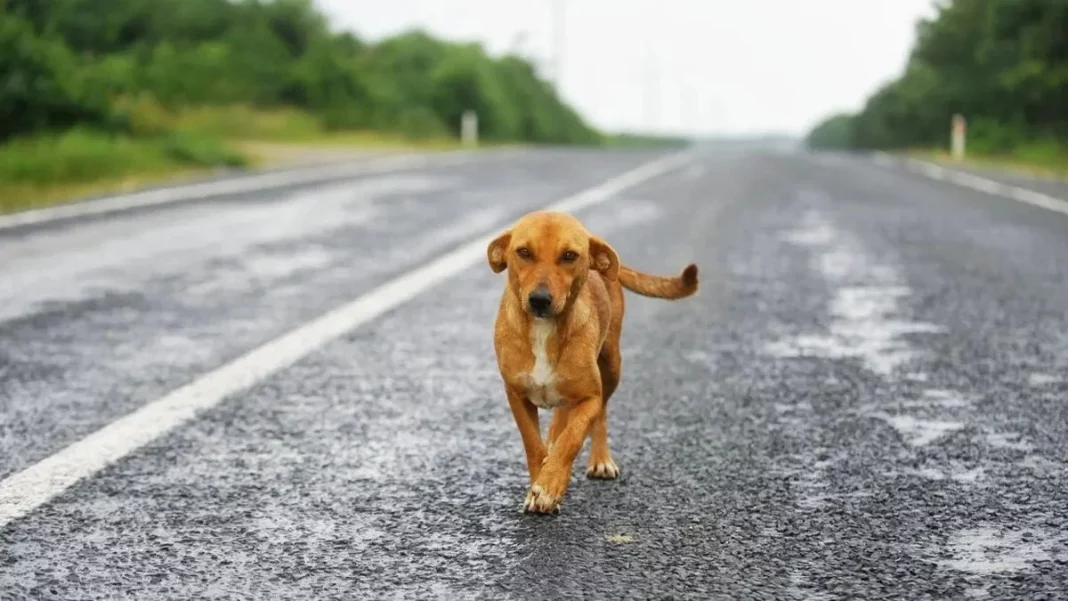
557, 341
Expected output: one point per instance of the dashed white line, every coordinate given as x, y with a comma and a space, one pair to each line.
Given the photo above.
35, 485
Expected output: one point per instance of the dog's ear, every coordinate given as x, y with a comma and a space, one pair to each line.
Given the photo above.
603, 258
497, 251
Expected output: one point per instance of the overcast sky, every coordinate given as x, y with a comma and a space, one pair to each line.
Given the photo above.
683, 66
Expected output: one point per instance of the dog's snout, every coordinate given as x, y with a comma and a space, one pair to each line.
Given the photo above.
540, 300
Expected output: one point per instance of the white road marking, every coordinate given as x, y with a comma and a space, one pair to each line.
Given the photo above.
235, 185
992, 550
954, 472
918, 432
1041, 379
1007, 440
694, 172
37, 484
981, 184
866, 305
73, 264
869, 324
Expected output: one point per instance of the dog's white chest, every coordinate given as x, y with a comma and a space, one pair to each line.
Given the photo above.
541, 388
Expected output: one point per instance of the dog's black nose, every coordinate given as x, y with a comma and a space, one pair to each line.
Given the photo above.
540, 300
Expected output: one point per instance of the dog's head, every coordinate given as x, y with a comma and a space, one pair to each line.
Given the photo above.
548, 256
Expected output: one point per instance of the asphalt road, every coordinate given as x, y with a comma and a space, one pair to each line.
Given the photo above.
868, 398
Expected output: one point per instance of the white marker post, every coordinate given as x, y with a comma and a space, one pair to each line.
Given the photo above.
469, 128
960, 127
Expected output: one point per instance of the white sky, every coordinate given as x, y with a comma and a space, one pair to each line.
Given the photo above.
707, 67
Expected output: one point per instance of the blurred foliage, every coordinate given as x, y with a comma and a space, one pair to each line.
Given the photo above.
84, 155
628, 140
132, 66
835, 132
1003, 64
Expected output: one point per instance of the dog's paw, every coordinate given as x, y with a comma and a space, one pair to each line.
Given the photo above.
539, 501
603, 470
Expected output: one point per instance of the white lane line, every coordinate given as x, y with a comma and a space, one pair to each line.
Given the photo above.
982, 184
236, 185
24, 491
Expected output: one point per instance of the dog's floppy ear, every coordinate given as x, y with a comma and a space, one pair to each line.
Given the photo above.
603, 258
497, 251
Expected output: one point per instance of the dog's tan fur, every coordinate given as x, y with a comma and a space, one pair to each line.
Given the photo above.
567, 360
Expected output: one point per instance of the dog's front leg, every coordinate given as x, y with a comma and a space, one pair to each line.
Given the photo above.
556, 426
526, 419
549, 487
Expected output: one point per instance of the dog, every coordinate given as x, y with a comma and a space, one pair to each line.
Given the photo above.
556, 337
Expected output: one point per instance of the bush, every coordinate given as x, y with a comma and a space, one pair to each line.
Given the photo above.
199, 151
834, 133
40, 84
242, 121
141, 63
84, 155
1003, 64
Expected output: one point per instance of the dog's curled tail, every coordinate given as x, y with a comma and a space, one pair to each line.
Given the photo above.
657, 286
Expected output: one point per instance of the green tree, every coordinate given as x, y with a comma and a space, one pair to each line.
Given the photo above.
1003, 64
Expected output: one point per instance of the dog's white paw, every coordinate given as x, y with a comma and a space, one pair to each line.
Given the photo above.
603, 470
539, 501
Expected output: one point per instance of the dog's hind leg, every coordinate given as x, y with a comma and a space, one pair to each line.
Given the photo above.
601, 466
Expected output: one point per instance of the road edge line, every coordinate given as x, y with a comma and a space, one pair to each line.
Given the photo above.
250, 182
44, 480
976, 182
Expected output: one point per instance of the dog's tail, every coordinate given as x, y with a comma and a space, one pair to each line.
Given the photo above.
657, 286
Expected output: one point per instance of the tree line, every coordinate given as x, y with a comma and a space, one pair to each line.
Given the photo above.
109, 63
1002, 64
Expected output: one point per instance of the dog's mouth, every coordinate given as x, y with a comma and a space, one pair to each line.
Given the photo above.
541, 312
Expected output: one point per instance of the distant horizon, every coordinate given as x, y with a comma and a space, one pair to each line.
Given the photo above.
704, 69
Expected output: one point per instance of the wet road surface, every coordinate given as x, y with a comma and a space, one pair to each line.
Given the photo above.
867, 399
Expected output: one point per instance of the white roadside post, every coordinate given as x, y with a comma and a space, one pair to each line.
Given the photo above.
960, 126
469, 128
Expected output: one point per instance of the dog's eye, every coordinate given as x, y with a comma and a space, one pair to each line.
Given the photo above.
569, 256
523, 252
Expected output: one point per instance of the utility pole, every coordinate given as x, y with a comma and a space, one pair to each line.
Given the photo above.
558, 43
689, 102
519, 43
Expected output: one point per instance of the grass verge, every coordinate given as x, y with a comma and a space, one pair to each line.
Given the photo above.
165, 145
48, 169
1039, 159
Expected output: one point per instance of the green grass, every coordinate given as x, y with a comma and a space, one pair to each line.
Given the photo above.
290, 128
241, 122
626, 140
47, 169
43, 170
1044, 158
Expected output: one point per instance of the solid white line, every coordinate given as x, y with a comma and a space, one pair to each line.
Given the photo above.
978, 183
988, 186
28, 489
235, 185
